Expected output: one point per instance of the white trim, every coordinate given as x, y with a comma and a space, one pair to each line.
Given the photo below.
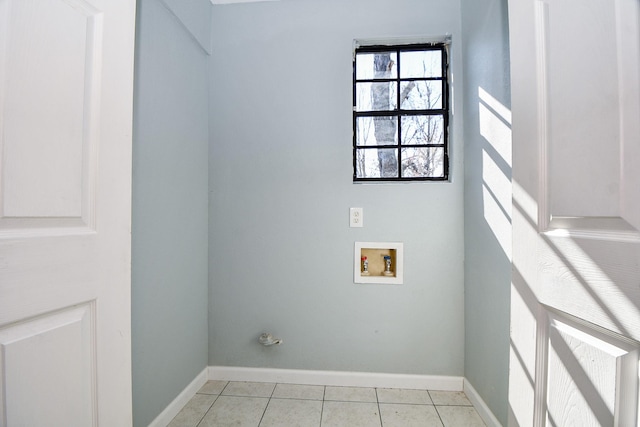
178, 403
481, 407
336, 378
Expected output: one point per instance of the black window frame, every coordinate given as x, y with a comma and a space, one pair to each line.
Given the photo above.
443, 47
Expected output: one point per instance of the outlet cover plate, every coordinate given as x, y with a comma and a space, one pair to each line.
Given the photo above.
356, 217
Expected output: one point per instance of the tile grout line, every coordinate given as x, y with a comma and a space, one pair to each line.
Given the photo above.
214, 401
324, 393
207, 411
267, 405
378, 403
436, 408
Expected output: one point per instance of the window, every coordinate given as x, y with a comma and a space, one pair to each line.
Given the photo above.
400, 113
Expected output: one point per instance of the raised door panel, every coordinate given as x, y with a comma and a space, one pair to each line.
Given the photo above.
47, 370
581, 86
49, 86
590, 375
588, 70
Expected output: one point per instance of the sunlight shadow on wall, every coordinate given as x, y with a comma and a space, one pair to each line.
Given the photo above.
495, 127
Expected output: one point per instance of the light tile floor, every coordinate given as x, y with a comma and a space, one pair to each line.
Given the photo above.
251, 404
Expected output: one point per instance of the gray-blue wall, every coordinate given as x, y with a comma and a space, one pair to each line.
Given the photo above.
281, 250
170, 205
487, 200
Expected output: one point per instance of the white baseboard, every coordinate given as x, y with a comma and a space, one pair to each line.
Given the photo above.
481, 407
336, 378
178, 403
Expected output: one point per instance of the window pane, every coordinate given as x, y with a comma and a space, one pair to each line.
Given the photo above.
418, 130
377, 163
376, 96
427, 162
426, 63
400, 124
376, 131
421, 95
379, 65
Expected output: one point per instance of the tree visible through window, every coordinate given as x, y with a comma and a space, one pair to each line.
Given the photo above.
400, 113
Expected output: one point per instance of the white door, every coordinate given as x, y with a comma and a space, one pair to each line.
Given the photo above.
575, 296
66, 73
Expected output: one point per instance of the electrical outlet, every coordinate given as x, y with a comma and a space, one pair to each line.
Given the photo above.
356, 218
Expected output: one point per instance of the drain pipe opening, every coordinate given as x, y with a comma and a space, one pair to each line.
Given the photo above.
268, 340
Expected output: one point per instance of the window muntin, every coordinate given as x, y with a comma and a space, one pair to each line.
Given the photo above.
409, 142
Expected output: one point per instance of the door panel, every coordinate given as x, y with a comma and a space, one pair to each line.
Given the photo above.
588, 69
628, 47
49, 77
66, 89
576, 240
50, 360
585, 368
580, 85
